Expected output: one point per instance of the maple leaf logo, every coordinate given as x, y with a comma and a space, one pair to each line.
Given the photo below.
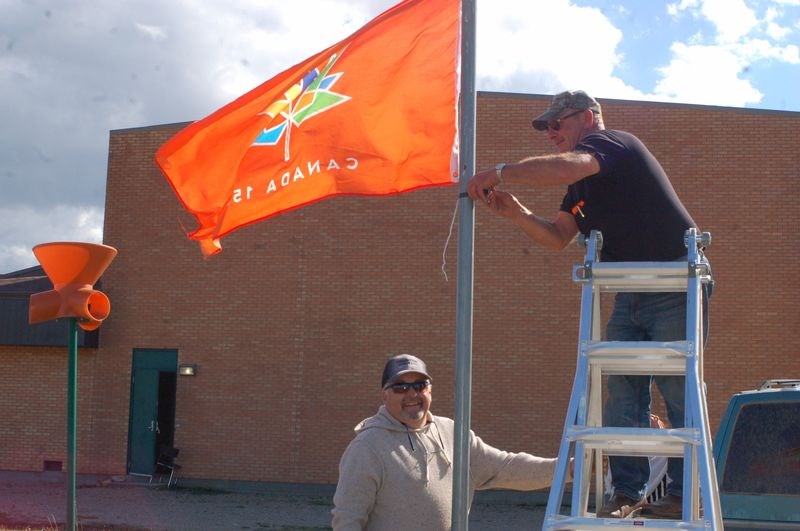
309, 97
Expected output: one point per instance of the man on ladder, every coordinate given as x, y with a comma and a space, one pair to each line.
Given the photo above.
615, 186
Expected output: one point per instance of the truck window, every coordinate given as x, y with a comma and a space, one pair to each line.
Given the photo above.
764, 456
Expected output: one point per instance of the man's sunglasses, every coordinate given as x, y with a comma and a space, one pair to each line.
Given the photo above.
401, 388
555, 124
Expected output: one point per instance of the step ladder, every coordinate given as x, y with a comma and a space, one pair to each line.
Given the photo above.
584, 436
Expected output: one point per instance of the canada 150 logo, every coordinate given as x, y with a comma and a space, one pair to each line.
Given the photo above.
309, 97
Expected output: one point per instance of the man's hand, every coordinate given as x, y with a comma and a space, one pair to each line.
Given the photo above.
505, 204
481, 183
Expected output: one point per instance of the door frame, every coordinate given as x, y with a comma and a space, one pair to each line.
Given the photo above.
151, 371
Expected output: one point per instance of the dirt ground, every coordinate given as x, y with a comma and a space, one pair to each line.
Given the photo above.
31, 501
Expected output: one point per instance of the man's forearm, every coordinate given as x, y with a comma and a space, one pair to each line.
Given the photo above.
544, 232
551, 170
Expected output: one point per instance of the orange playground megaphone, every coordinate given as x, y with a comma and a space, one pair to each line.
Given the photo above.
73, 267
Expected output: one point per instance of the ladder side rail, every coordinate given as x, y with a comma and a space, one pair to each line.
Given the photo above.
703, 468
597, 325
582, 479
691, 405
705, 461
595, 418
588, 321
700, 275
692, 402
556, 496
591, 410
578, 397
599, 480
692, 481
596, 390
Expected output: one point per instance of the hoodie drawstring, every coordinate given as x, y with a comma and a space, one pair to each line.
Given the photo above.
441, 444
408, 434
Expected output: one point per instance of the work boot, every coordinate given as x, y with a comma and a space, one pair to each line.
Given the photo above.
620, 506
670, 507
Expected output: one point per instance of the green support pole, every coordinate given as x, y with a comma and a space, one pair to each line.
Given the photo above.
72, 424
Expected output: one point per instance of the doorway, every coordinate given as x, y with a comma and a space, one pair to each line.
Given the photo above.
152, 409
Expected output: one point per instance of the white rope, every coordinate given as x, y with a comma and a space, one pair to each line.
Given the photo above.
447, 241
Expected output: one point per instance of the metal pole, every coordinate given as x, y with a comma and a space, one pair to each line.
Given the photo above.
466, 230
72, 425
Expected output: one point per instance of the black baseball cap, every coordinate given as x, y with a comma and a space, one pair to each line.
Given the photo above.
402, 364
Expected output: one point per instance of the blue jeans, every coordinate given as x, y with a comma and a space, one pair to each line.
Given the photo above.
646, 317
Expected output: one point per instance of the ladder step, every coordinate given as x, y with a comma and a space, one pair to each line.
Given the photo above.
640, 276
638, 357
589, 523
635, 441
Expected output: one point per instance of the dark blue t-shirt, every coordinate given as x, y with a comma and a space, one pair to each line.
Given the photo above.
630, 200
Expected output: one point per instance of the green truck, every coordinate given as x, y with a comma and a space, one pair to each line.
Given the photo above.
757, 454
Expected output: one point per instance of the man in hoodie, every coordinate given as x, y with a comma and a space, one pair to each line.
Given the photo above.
398, 472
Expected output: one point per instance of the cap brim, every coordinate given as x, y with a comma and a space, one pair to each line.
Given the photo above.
393, 380
540, 122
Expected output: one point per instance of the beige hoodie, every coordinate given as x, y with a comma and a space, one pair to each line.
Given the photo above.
392, 477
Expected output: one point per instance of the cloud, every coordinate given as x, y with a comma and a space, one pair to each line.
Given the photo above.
732, 18
675, 9
698, 68
154, 32
696, 73
777, 31
56, 223
551, 40
753, 50
774, 29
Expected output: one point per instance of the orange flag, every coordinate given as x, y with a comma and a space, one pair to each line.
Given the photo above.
374, 114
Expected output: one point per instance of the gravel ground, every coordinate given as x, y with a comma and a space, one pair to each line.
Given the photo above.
39, 501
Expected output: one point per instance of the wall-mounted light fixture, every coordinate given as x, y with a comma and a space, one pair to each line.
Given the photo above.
187, 369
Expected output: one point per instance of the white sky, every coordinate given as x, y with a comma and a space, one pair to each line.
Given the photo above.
71, 70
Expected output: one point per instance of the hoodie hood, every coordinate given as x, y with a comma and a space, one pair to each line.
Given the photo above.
383, 419
420, 441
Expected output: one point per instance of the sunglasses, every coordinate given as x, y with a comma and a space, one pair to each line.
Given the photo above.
555, 124
402, 388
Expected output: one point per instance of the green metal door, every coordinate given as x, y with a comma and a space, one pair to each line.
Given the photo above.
144, 421
143, 426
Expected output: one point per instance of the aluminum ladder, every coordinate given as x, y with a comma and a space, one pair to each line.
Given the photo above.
586, 439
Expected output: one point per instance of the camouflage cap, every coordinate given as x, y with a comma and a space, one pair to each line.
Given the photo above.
570, 99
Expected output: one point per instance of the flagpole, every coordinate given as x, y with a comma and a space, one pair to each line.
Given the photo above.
466, 237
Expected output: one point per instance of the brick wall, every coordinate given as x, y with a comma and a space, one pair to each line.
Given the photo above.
33, 405
290, 325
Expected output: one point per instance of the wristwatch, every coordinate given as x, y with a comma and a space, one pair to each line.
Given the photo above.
499, 171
